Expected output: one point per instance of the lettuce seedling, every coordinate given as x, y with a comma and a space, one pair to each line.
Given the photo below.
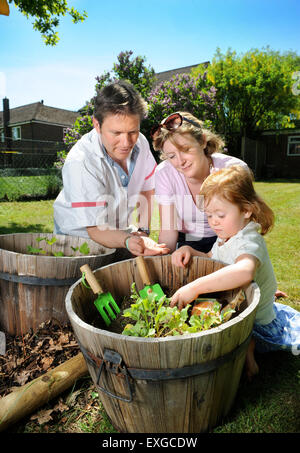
155, 318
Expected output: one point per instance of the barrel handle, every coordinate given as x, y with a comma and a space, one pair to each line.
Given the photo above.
114, 359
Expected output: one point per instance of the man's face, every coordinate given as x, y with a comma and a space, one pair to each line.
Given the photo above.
119, 134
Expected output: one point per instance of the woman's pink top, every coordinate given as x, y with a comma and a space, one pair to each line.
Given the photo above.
171, 188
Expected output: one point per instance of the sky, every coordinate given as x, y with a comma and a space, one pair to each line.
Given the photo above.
168, 33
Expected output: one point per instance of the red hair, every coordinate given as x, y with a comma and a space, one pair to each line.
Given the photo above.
235, 184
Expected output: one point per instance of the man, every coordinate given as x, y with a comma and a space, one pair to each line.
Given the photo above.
108, 176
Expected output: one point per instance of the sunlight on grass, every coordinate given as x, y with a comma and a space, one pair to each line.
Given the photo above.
283, 241
26, 217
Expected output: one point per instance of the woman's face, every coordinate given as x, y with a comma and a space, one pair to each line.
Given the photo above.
187, 157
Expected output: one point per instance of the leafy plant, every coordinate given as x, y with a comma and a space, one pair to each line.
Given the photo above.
253, 91
155, 318
35, 250
181, 92
83, 249
47, 16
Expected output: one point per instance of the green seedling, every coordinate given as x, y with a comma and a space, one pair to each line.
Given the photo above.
83, 249
155, 318
35, 250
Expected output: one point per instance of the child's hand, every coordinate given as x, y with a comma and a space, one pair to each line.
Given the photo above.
184, 296
182, 256
279, 294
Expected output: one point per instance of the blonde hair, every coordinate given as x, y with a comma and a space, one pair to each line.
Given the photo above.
235, 184
214, 142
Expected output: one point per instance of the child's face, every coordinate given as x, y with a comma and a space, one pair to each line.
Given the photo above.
225, 218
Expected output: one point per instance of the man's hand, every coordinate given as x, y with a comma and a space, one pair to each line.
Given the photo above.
145, 246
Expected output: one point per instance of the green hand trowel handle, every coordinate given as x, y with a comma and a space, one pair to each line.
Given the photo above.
143, 270
91, 279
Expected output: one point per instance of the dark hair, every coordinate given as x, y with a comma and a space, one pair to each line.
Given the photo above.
118, 97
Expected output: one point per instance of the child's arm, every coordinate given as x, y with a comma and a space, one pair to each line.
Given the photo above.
183, 255
232, 276
168, 228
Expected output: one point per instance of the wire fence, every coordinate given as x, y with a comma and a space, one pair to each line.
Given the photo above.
27, 170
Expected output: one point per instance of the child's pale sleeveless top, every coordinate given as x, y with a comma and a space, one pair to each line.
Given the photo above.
249, 241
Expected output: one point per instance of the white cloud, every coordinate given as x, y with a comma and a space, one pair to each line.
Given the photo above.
59, 85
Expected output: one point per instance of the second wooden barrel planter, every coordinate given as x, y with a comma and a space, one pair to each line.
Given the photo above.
175, 384
33, 287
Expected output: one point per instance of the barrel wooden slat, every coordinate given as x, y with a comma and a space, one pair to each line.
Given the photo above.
23, 305
189, 404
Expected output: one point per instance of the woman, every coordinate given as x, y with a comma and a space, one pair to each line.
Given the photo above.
189, 153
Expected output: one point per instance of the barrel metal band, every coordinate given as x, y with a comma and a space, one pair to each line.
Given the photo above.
114, 364
37, 281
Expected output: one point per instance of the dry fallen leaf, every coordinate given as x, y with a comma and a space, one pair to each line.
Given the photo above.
64, 338
60, 406
72, 398
42, 416
46, 362
29, 356
22, 378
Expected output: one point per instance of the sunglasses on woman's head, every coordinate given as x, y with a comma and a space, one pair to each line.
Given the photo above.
171, 123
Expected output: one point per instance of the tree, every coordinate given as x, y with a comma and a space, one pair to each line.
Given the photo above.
46, 14
132, 69
182, 93
254, 91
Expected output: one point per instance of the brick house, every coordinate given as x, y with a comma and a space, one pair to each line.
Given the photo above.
33, 127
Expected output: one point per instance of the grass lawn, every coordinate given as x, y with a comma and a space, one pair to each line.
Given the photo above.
270, 403
26, 217
14, 188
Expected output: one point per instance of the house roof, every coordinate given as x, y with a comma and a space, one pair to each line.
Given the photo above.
166, 75
38, 112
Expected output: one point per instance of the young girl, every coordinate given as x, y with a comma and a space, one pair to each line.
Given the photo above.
240, 218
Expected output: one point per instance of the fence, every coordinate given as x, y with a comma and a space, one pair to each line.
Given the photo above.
254, 153
27, 170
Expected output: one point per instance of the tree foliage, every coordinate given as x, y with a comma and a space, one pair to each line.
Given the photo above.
182, 92
134, 70
128, 67
235, 95
46, 14
254, 90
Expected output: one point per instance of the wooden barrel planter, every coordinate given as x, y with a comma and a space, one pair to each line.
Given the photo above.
179, 384
33, 287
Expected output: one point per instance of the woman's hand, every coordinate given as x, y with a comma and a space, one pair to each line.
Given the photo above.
182, 256
145, 246
184, 295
